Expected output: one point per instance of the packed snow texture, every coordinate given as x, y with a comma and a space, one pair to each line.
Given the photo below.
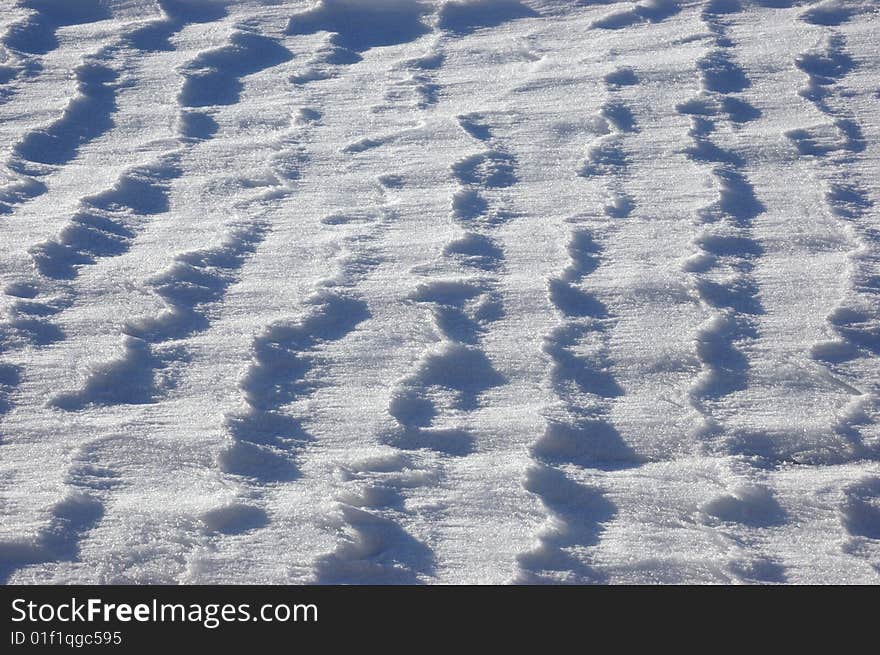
440, 291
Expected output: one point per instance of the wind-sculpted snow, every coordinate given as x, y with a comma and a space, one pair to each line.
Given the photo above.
606, 158
36, 34
722, 263
277, 376
177, 14
439, 291
645, 11
58, 541
838, 146
106, 223
578, 431
214, 77
105, 226
86, 117
363, 24
89, 114
463, 17
462, 309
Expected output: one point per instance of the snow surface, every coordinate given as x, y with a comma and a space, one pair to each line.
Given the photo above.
486, 291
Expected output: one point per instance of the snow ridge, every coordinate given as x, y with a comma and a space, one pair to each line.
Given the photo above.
439, 291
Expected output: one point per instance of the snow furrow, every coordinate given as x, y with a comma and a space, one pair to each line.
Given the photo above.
439, 291
579, 431
722, 267
789, 471
799, 241
372, 546
434, 479
358, 507
606, 158
650, 346
88, 114
651, 11
98, 77
859, 511
105, 224
269, 437
851, 354
266, 438
455, 371
34, 34
194, 279
249, 507
856, 321
725, 249
35, 302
